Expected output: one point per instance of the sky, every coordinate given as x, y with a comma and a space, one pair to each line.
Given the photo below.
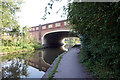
32, 11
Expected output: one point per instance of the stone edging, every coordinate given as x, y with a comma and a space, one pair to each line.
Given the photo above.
46, 75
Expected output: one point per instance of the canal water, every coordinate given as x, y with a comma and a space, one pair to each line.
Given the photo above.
29, 65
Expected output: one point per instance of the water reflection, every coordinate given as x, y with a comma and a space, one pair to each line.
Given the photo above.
29, 65
37, 61
50, 54
14, 69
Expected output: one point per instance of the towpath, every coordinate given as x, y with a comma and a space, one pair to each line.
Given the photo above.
70, 67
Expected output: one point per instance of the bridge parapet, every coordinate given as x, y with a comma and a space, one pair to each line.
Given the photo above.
54, 25
58, 24
39, 31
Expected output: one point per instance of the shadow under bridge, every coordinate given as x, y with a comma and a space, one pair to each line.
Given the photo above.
54, 39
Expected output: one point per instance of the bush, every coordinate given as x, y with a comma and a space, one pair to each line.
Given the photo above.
37, 46
99, 24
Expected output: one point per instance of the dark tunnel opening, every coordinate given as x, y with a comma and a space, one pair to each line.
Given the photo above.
54, 39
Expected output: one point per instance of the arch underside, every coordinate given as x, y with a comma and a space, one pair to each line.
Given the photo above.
54, 39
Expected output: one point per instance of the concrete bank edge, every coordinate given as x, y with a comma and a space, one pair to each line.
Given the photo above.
46, 75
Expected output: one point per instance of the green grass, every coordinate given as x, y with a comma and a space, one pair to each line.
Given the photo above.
51, 75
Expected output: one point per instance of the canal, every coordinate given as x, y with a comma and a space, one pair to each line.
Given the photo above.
29, 65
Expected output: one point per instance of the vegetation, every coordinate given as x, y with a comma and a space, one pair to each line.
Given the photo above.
71, 41
12, 39
16, 56
8, 19
99, 24
55, 68
51, 74
37, 45
23, 43
18, 66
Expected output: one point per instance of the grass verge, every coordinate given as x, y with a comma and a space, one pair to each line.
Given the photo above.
51, 74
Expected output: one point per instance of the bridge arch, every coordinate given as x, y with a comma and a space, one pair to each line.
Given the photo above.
51, 33
54, 38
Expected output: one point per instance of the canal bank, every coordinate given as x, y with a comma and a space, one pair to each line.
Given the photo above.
68, 66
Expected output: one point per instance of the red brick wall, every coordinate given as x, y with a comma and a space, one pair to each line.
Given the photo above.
35, 33
62, 27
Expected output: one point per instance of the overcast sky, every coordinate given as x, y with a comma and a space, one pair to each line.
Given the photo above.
33, 10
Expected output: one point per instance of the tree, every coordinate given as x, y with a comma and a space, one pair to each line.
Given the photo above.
8, 15
8, 20
98, 23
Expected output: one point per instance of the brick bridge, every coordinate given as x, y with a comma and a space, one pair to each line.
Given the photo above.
50, 34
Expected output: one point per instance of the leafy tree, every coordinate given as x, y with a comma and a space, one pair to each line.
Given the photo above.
99, 24
8, 19
8, 22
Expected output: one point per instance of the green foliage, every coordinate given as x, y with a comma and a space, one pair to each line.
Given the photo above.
8, 20
18, 55
13, 49
22, 43
37, 46
55, 68
15, 41
99, 24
